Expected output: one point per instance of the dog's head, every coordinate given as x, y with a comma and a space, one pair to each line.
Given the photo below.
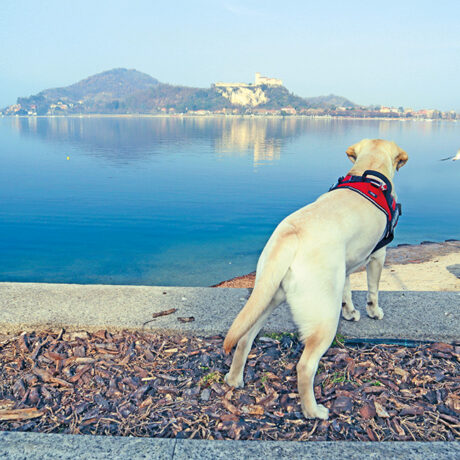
377, 154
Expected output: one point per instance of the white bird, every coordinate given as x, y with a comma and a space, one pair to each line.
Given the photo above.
453, 158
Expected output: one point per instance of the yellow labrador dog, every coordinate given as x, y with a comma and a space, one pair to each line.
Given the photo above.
307, 262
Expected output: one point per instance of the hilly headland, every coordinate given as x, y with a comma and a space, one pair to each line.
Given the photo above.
128, 91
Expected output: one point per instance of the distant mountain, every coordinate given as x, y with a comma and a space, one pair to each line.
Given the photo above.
115, 83
331, 101
279, 97
179, 99
130, 91
99, 93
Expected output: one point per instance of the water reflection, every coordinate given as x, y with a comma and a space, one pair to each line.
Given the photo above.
136, 138
262, 138
133, 138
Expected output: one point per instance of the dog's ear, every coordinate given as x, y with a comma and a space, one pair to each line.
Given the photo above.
351, 152
401, 159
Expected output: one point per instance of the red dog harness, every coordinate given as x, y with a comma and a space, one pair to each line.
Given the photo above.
378, 192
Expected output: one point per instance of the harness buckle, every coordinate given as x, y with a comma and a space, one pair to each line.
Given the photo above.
376, 183
339, 181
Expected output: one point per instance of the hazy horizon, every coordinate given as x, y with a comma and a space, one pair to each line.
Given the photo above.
395, 55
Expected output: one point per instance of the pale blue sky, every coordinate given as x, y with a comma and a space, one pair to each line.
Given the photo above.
391, 53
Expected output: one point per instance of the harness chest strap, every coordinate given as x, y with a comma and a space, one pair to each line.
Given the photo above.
378, 192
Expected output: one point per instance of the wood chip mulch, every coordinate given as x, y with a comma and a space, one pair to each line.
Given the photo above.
145, 384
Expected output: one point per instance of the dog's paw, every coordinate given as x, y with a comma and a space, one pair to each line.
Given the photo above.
374, 312
320, 412
353, 315
236, 383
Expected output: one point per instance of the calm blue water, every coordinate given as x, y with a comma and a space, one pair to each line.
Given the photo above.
162, 201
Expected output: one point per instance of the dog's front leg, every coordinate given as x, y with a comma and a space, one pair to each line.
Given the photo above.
349, 311
374, 271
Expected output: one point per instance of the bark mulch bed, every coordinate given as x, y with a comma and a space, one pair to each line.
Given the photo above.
144, 384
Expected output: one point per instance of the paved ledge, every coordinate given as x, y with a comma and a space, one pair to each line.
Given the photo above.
38, 446
430, 316
35, 446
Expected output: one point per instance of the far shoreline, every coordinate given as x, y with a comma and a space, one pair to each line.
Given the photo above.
218, 115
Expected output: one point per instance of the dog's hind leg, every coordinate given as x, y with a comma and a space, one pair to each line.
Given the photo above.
235, 375
316, 311
349, 311
315, 346
374, 271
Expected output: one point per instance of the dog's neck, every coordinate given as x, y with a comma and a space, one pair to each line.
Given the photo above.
367, 162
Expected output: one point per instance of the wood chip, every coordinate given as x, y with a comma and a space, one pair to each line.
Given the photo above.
253, 410
381, 412
186, 319
368, 411
20, 414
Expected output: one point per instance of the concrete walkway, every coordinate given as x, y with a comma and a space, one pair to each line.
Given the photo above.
34, 446
430, 316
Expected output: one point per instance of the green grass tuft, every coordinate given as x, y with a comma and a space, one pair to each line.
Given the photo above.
338, 341
212, 377
280, 335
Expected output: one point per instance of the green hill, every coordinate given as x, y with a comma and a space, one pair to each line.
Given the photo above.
279, 97
116, 83
179, 98
331, 101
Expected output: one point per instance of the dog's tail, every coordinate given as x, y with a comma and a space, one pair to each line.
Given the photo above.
279, 255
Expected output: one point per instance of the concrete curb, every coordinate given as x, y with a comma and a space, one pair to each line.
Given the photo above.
419, 316
35, 446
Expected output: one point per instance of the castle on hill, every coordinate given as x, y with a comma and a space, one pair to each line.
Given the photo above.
259, 80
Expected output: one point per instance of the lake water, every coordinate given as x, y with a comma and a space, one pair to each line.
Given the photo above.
191, 201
